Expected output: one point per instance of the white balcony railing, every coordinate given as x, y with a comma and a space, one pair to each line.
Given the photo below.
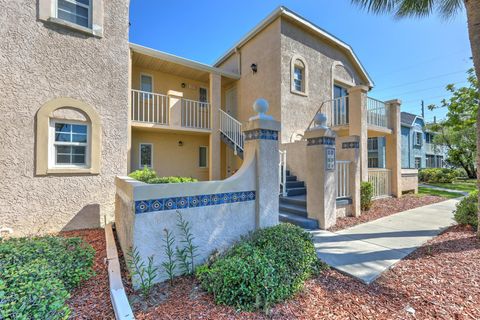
195, 114
342, 170
232, 129
149, 107
380, 180
377, 113
336, 110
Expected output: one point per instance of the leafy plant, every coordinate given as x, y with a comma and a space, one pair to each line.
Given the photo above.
36, 275
188, 253
466, 211
170, 265
146, 274
366, 194
264, 268
148, 175
438, 175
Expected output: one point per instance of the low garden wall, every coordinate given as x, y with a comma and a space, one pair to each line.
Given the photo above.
410, 180
218, 212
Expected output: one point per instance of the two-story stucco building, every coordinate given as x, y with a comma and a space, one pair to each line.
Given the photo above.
81, 105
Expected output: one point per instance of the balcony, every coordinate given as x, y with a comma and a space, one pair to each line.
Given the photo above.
159, 110
377, 114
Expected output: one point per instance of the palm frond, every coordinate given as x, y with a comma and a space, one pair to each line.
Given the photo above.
449, 8
376, 6
414, 8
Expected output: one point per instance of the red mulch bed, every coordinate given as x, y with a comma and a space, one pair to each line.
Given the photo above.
438, 281
92, 299
385, 207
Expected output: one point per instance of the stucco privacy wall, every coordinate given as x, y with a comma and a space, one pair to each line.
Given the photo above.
219, 212
41, 61
321, 57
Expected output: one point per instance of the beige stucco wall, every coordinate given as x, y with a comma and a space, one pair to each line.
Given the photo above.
41, 61
409, 180
321, 57
170, 159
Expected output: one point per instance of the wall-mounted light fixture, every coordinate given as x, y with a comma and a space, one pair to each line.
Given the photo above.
183, 85
254, 67
180, 143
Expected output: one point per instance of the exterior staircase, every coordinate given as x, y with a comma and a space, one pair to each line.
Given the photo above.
293, 206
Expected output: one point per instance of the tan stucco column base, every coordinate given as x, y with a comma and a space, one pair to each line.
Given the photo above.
358, 124
393, 156
321, 195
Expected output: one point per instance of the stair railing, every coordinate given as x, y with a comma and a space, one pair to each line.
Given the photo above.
282, 172
232, 129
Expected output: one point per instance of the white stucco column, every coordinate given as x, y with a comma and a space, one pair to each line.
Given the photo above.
321, 195
214, 170
175, 108
261, 139
357, 99
393, 157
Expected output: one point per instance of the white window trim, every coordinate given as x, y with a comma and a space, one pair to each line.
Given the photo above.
415, 142
140, 155
206, 154
51, 145
305, 76
143, 74
75, 2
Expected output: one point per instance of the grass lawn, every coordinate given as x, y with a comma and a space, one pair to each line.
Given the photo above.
460, 185
434, 192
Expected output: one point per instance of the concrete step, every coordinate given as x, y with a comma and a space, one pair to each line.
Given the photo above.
295, 184
288, 172
296, 191
298, 201
298, 220
291, 178
293, 208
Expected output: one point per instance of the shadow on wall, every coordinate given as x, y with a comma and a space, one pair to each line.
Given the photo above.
87, 218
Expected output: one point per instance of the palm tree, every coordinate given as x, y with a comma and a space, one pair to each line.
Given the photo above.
446, 9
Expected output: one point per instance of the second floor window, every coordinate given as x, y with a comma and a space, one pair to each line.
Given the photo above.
372, 143
146, 83
299, 76
417, 138
75, 11
203, 94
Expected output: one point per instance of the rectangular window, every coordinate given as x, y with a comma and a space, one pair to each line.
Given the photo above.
203, 157
440, 163
203, 95
417, 138
372, 143
298, 78
146, 83
70, 144
75, 11
430, 161
373, 160
146, 155
418, 162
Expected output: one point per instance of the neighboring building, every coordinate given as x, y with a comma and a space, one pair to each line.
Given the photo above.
82, 105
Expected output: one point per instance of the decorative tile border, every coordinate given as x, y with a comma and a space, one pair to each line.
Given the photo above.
351, 145
330, 141
153, 205
261, 134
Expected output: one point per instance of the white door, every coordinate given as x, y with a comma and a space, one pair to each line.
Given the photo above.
231, 101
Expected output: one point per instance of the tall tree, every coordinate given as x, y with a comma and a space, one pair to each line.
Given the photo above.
446, 9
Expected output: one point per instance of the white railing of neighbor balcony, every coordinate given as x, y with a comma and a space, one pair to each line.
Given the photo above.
232, 129
342, 172
149, 107
336, 111
380, 180
195, 114
377, 113
282, 172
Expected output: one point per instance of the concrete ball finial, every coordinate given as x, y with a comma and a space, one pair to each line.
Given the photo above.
320, 120
260, 106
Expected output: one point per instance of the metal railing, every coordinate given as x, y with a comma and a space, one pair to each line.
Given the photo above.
336, 111
149, 107
380, 180
377, 113
232, 129
342, 172
282, 172
195, 114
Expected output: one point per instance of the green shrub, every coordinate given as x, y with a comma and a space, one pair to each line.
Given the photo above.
267, 267
437, 175
366, 194
148, 175
36, 275
466, 212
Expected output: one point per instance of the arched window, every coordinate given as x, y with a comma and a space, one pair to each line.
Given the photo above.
299, 76
68, 138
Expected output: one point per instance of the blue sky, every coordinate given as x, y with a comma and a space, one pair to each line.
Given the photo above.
410, 59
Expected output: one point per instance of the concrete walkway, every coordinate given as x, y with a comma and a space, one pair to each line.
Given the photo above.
463, 193
365, 251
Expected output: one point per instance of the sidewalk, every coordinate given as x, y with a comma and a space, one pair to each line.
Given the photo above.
365, 251
463, 193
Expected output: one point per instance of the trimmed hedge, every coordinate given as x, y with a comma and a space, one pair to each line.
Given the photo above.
366, 195
267, 267
437, 175
36, 275
148, 175
466, 212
